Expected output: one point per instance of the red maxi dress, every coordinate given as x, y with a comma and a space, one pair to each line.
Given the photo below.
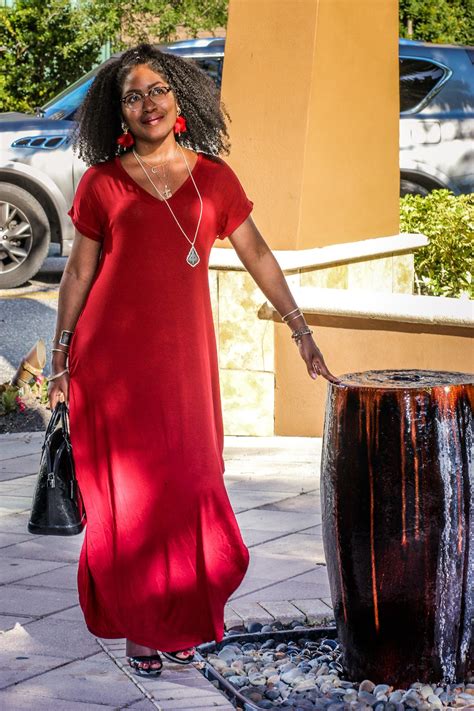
162, 551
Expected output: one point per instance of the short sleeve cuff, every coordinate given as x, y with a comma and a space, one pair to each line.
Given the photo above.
236, 220
84, 229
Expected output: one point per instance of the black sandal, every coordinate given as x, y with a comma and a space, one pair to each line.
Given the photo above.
140, 671
178, 660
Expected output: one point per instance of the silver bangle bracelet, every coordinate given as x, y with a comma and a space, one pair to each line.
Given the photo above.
57, 375
289, 313
300, 315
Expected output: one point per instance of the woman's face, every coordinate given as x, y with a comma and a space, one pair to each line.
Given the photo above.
153, 118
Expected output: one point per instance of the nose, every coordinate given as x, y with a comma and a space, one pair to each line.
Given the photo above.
148, 104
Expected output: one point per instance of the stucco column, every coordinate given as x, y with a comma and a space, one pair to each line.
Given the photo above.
311, 87
312, 90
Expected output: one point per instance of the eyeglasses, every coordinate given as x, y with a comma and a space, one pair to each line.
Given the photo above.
136, 99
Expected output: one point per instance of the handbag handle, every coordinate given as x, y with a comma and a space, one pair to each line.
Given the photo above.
52, 424
59, 413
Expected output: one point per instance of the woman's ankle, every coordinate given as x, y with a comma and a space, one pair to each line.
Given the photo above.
134, 649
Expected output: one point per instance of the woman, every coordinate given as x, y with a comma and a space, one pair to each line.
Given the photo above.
135, 355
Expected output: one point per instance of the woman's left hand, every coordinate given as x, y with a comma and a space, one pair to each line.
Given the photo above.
314, 360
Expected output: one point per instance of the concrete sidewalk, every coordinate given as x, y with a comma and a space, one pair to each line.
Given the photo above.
48, 658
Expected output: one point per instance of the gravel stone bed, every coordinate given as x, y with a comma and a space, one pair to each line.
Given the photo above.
307, 675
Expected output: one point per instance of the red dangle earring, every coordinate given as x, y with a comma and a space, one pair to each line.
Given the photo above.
180, 124
126, 139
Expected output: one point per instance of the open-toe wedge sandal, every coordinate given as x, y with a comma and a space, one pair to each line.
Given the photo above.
172, 656
135, 663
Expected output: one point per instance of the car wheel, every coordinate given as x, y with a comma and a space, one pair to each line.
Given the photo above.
408, 187
24, 236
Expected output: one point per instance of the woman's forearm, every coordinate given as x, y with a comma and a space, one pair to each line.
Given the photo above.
267, 274
73, 292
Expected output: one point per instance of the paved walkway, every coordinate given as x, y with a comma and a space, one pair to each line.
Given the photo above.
50, 662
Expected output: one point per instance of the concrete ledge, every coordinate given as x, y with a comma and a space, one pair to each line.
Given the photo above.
321, 257
370, 309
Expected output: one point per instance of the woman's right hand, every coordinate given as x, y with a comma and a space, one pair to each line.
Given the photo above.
58, 390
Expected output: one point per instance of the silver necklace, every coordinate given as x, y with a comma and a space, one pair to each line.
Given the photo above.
155, 168
193, 257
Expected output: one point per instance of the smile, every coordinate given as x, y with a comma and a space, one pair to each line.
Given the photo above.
153, 120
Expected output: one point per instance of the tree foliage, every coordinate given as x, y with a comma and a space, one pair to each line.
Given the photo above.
135, 21
439, 21
47, 44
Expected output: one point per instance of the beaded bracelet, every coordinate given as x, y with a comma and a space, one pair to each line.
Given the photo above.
296, 335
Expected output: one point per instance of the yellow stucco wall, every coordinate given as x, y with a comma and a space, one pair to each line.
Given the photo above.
300, 401
312, 90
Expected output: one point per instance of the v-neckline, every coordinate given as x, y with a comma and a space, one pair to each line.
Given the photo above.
153, 197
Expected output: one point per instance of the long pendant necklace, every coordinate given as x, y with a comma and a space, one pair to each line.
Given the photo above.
193, 257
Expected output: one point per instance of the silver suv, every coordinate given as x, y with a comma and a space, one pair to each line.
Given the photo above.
39, 171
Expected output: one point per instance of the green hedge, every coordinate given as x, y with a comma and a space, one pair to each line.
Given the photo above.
445, 266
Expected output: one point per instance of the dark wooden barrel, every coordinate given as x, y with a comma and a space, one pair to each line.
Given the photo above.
397, 490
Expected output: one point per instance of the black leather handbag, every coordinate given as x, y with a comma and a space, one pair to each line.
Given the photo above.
57, 508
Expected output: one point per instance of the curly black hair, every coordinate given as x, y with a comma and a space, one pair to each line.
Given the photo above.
100, 120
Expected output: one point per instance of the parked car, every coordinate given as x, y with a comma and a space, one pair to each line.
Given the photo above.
39, 171
436, 117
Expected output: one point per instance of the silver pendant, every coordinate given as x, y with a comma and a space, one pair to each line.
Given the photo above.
167, 192
193, 257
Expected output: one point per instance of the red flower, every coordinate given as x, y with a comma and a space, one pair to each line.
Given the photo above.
180, 125
20, 403
126, 140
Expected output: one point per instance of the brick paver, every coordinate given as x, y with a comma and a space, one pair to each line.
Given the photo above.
48, 658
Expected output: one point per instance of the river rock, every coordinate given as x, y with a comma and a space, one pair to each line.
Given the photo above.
272, 694
269, 672
257, 679
229, 652
287, 667
218, 664
426, 691
350, 695
304, 685
238, 681
291, 676
367, 685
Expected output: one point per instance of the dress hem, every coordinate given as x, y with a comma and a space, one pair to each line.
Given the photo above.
193, 641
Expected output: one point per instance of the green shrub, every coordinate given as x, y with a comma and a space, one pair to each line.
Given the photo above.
445, 266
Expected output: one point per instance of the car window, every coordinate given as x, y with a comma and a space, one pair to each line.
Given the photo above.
65, 105
418, 79
213, 66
